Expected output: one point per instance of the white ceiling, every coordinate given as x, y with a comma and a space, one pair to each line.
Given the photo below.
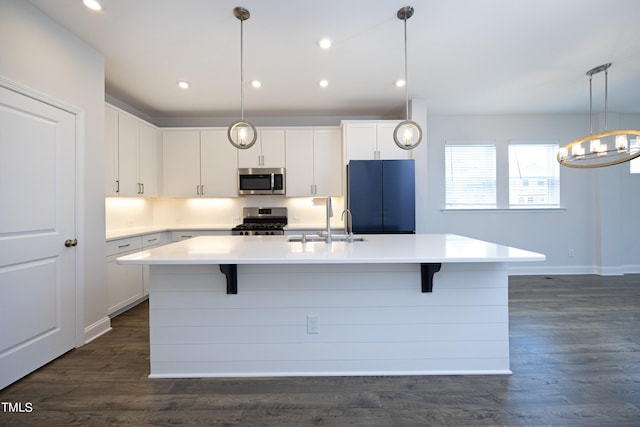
465, 56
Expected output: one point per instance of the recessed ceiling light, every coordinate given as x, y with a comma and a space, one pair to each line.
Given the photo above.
92, 4
325, 43
183, 85
400, 83
256, 84
324, 83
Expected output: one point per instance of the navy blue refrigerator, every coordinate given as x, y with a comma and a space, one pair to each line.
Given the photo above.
381, 196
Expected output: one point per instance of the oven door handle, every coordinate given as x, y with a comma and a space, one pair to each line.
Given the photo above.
273, 182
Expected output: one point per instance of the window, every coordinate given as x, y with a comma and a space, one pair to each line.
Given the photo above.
534, 175
501, 175
470, 176
634, 165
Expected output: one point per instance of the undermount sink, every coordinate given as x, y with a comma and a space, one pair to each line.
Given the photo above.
334, 238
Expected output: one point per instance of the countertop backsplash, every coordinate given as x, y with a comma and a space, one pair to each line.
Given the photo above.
123, 213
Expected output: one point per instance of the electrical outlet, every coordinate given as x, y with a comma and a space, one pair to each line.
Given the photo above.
313, 324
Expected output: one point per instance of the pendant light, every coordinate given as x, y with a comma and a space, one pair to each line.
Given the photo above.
607, 148
241, 133
407, 135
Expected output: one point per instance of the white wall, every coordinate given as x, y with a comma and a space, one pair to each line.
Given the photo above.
599, 205
39, 54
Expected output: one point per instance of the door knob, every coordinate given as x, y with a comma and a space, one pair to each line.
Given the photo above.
69, 243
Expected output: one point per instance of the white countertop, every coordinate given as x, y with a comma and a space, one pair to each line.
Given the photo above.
377, 248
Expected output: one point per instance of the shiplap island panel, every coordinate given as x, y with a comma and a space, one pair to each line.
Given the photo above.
329, 309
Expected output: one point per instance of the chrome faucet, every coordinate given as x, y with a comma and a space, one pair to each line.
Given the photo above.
348, 224
327, 238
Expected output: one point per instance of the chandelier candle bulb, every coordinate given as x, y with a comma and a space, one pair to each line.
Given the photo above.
622, 143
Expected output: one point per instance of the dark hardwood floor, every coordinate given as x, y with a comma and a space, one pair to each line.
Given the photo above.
575, 356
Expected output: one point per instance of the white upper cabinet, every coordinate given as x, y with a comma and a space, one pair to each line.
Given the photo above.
371, 140
267, 152
111, 151
314, 162
131, 155
218, 165
181, 163
199, 163
128, 156
148, 159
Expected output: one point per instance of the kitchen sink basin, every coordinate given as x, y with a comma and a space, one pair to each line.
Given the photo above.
335, 238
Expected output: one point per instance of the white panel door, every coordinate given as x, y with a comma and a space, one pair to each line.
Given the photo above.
37, 270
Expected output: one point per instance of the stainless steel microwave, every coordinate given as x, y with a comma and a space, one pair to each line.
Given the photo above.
261, 181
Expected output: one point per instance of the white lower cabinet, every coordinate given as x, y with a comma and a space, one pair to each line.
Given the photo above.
178, 236
128, 284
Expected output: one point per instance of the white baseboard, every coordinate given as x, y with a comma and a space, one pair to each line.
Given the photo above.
541, 270
97, 329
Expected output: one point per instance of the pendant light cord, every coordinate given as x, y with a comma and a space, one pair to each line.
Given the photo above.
241, 69
406, 80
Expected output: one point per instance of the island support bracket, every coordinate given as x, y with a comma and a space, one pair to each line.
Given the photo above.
231, 271
427, 271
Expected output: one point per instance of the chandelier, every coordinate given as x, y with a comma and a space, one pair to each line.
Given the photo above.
607, 148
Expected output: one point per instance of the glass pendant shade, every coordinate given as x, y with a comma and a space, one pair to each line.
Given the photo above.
242, 134
607, 148
407, 134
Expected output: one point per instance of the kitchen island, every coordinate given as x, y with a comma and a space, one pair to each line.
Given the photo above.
229, 306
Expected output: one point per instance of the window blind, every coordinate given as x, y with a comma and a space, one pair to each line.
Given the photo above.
470, 176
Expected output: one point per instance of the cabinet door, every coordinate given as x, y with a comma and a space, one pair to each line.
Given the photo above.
128, 155
111, 152
181, 163
360, 141
327, 162
272, 142
124, 284
387, 147
299, 162
218, 162
148, 160
250, 157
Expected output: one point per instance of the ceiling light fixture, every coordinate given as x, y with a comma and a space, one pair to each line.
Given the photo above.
325, 43
607, 148
241, 133
323, 83
183, 84
408, 134
92, 4
256, 84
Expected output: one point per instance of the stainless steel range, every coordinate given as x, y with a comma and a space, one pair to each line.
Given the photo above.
261, 221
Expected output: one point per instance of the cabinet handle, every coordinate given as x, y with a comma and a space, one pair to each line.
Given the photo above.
151, 240
117, 186
124, 246
184, 236
198, 189
142, 184
202, 190
312, 189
